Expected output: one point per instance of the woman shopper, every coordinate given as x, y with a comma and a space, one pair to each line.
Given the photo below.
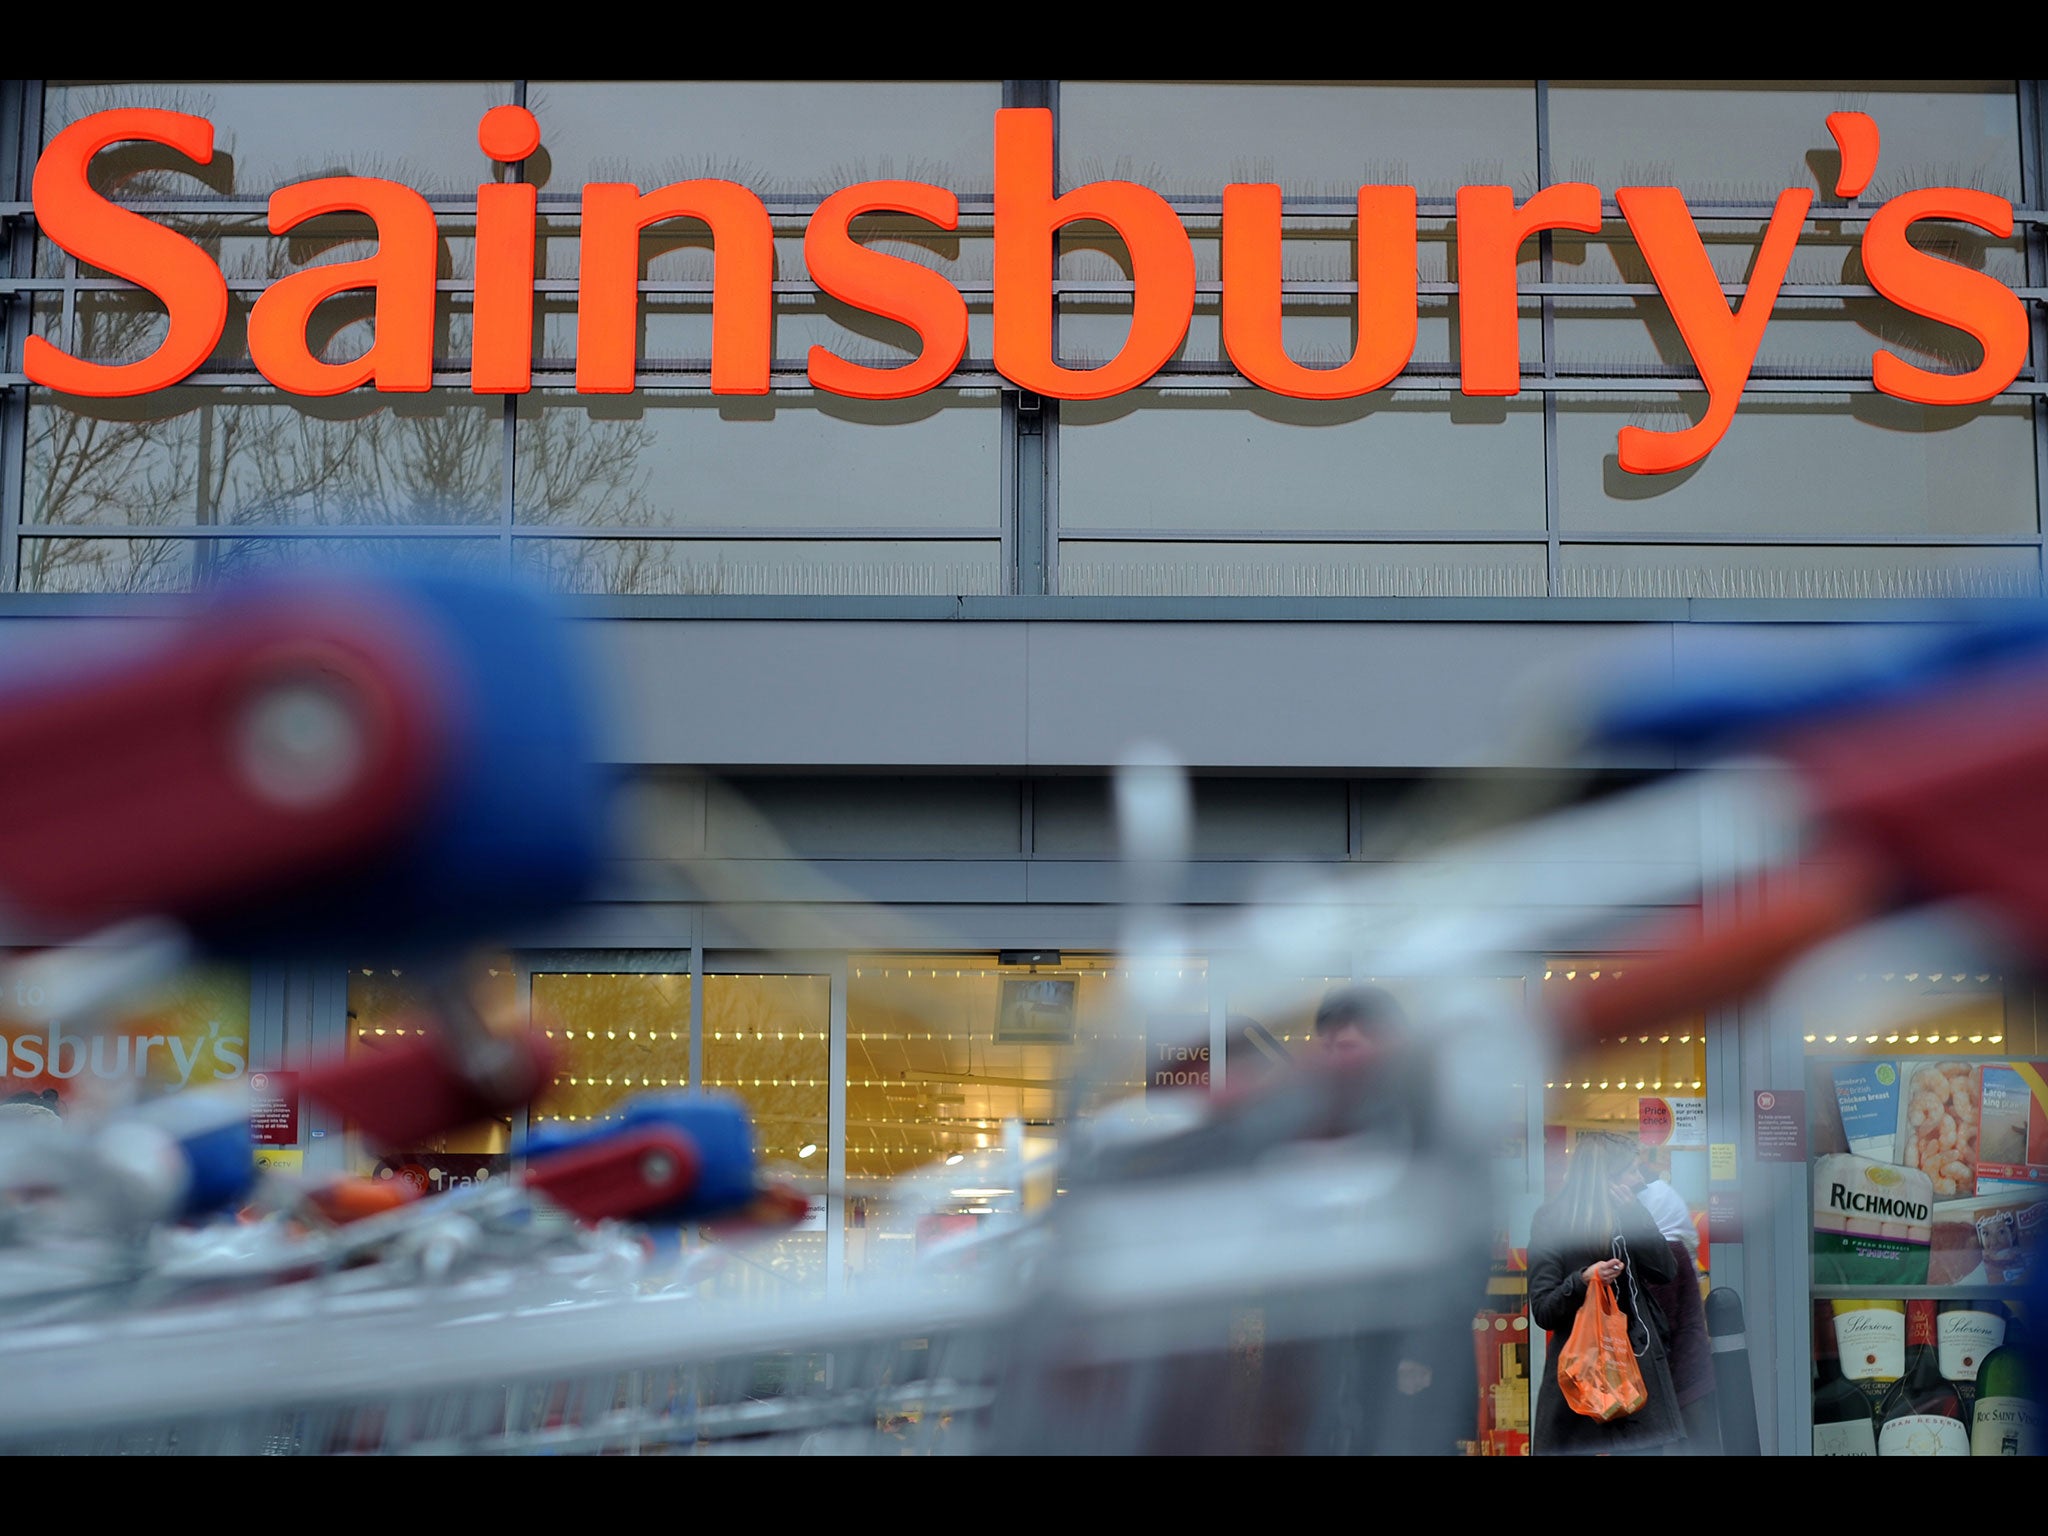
1571, 1238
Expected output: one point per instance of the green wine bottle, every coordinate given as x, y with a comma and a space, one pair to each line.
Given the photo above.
2007, 1418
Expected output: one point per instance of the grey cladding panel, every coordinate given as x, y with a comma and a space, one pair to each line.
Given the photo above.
1234, 818
855, 817
658, 813
830, 694
1331, 697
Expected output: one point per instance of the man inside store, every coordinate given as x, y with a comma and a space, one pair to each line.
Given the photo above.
1435, 1397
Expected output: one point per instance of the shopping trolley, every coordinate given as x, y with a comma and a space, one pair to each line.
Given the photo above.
1247, 1271
1229, 1272
1113, 1323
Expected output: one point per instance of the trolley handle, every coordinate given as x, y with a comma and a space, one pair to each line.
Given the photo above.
639, 1169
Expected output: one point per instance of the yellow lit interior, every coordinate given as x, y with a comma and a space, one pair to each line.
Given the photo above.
387, 1007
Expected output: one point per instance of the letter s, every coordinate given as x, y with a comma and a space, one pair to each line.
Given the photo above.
126, 244
1970, 301
889, 286
28, 1055
228, 1053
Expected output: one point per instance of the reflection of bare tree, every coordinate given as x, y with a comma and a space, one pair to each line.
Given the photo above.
585, 472
248, 458
107, 466
199, 457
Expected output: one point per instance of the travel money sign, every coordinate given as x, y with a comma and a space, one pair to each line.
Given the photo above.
1491, 226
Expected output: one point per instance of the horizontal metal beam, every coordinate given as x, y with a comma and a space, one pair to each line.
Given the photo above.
982, 205
984, 287
495, 530
1360, 537
1010, 609
1535, 537
693, 377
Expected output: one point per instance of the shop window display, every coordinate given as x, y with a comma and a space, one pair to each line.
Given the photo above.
1927, 1126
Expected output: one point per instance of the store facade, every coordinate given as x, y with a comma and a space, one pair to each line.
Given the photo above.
884, 564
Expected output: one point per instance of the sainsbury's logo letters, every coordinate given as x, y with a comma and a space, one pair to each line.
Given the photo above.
1722, 339
50, 1052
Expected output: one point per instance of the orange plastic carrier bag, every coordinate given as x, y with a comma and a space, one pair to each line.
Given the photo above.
1596, 1370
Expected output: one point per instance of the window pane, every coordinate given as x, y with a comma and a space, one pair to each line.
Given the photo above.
268, 134
1636, 334
801, 138
675, 328
1319, 329
1324, 139
946, 1051
389, 1009
1270, 1021
619, 1034
800, 460
1747, 141
1863, 464
1164, 568
690, 567
254, 456
182, 565
1225, 460
1736, 570
766, 1039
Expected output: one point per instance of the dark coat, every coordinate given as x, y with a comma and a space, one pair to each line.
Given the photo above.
1690, 1346
1557, 1285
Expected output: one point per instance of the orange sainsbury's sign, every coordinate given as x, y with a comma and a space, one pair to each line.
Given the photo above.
1491, 226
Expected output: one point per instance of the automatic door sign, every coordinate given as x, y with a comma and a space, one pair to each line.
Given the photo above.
1780, 1128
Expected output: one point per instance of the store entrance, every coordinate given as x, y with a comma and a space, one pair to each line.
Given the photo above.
765, 1037
1650, 1087
629, 1023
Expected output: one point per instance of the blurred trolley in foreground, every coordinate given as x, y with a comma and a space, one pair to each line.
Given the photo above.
1112, 1322
1240, 1271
